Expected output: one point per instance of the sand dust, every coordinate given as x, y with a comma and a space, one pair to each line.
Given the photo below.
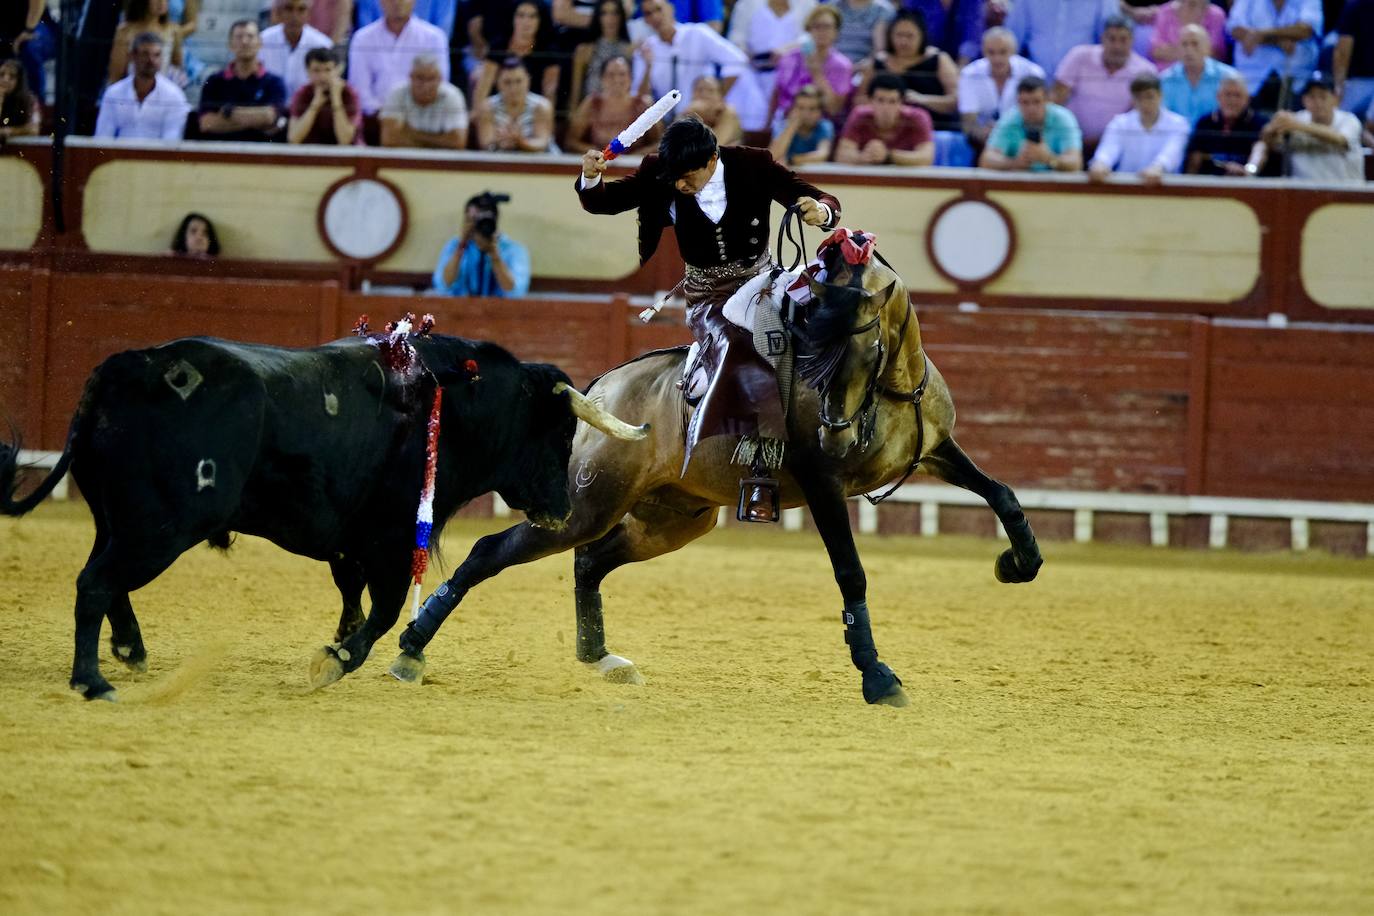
1137, 731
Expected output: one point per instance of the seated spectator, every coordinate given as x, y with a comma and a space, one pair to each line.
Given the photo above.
243, 101
481, 260
1321, 141
1190, 86
326, 109
380, 54
710, 107
1166, 47
19, 110
987, 87
929, 76
531, 45
1148, 140
886, 131
766, 30
1274, 44
805, 136
146, 105
1352, 62
425, 111
1039, 136
1049, 29
143, 17
820, 65
438, 13
285, 45
1094, 81
673, 54
515, 119
28, 32
953, 26
606, 112
589, 58
195, 237
862, 27
1227, 141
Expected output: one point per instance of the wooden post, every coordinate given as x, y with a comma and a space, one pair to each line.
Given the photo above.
40, 291
1199, 365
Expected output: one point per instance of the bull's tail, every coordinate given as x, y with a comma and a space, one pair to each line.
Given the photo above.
9, 461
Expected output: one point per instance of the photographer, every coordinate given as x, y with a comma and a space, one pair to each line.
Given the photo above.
483, 261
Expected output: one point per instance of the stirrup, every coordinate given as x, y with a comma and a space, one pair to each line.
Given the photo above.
759, 500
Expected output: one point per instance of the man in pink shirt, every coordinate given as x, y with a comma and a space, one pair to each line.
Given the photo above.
1094, 81
886, 131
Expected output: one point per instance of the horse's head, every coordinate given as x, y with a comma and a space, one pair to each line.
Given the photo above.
843, 340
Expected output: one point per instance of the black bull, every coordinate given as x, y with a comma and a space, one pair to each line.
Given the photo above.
321, 451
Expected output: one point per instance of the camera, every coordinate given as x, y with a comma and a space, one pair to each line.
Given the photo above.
486, 204
1033, 135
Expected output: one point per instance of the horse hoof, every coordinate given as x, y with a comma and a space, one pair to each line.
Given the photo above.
325, 668
896, 698
408, 669
619, 670
882, 686
1008, 570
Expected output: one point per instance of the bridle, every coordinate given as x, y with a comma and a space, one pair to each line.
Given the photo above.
866, 414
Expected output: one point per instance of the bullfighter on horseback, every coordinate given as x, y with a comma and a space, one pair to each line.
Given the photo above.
717, 199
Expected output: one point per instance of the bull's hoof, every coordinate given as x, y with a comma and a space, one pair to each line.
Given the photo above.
619, 670
408, 668
325, 668
134, 657
881, 686
1010, 570
97, 689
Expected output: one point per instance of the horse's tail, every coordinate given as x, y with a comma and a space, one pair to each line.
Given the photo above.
9, 460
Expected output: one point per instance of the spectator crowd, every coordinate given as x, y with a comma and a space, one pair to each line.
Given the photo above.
1283, 87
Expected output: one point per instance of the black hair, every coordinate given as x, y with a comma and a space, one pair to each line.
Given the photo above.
1117, 21
18, 107
179, 240
622, 31
241, 24
687, 145
320, 56
1031, 84
913, 16
887, 81
1144, 83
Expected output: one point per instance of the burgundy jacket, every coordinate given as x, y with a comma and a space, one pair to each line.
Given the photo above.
753, 180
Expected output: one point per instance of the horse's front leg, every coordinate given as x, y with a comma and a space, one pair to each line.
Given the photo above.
828, 510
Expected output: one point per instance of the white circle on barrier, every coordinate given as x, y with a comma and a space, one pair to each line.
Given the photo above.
971, 241
363, 218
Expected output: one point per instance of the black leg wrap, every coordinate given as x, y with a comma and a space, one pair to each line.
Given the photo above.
859, 636
591, 629
432, 615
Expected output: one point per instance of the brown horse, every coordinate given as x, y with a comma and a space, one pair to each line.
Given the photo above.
880, 405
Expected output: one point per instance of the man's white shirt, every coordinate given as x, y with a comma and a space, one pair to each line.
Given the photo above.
287, 62
160, 116
1127, 146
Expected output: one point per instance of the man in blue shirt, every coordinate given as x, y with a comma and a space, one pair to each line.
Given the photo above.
1190, 86
482, 261
1039, 136
1275, 43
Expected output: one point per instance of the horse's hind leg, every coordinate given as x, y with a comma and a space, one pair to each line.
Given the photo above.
1022, 561
647, 532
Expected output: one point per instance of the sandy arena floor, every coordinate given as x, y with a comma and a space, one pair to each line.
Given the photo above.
1137, 731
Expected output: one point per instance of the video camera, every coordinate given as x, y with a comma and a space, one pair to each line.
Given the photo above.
486, 204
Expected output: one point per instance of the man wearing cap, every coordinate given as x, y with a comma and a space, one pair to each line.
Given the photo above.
1322, 142
717, 199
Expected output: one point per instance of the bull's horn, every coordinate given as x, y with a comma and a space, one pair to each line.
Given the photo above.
585, 409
